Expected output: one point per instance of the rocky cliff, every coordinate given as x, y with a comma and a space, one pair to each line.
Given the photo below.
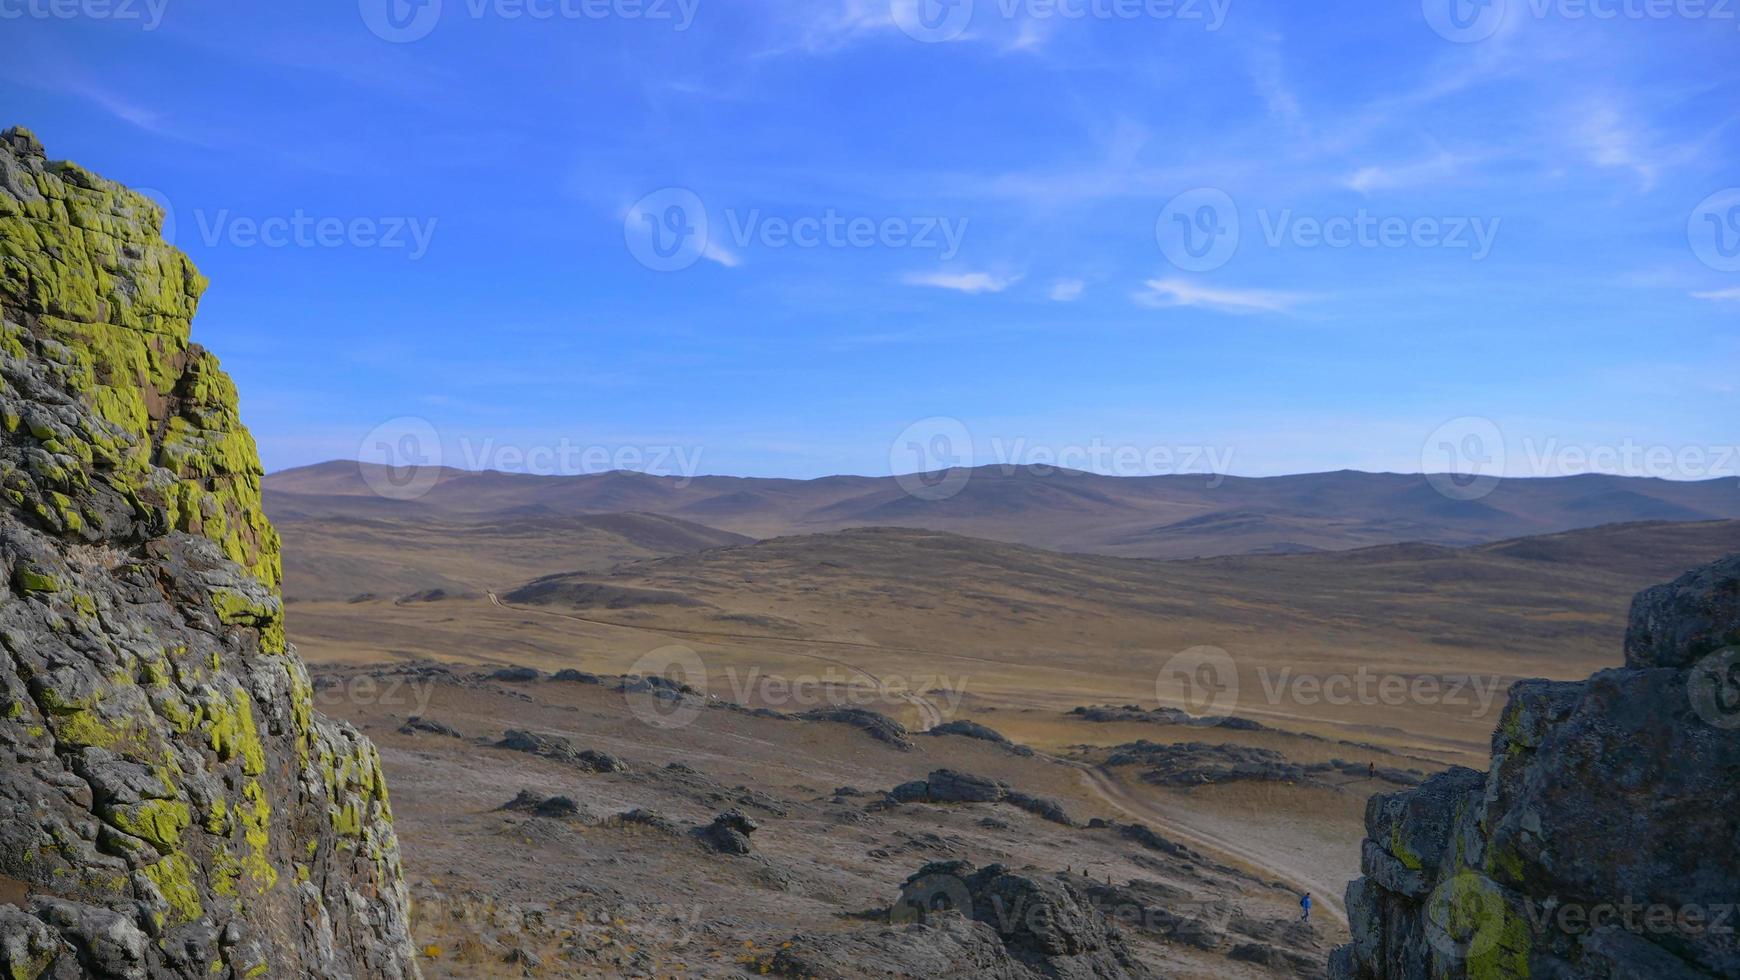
1605, 840
170, 804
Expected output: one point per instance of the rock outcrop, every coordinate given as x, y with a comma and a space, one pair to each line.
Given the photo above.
170, 803
949, 786
1605, 840
953, 919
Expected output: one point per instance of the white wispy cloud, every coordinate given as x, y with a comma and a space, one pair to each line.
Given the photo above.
962, 282
826, 26
1731, 295
1067, 290
715, 252
1435, 169
1611, 141
1163, 293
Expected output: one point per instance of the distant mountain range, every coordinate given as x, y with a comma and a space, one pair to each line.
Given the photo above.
1146, 517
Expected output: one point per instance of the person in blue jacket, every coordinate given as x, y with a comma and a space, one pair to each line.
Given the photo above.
1305, 903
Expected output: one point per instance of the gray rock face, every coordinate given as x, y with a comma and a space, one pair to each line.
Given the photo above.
1677, 624
1202, 764
878, 726
729, 833
955, 920
559, 748
949, 786
1605, 840
169, 800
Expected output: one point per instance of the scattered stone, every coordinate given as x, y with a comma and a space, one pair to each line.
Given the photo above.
415, 725
554, 807
572, 676
878, 726
593, 760
646, 818
516, 675
561, 749
1164, 716
729, 833
949, 786
1188, 764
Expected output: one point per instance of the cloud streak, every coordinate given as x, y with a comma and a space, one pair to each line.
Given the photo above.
971, 283
1167, 293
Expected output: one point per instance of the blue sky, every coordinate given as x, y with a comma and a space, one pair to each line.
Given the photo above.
1547, 198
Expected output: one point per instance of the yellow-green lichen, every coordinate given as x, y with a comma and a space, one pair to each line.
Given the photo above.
159, 821
232, 733
31, 580
1400, 850
173, 876
1494, 938
256, 820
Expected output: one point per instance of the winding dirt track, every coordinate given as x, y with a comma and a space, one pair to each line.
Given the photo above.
1192, 830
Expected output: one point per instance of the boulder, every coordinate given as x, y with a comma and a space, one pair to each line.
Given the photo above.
729, 833
1604, 839
878, 726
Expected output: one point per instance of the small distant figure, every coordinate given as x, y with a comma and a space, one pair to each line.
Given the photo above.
1371, 770
1305, 903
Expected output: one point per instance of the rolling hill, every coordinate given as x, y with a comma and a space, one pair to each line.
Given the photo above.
1146, 517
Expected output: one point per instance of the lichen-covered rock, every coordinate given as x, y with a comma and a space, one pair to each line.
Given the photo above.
1605, 840
1674, 625
169, 799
